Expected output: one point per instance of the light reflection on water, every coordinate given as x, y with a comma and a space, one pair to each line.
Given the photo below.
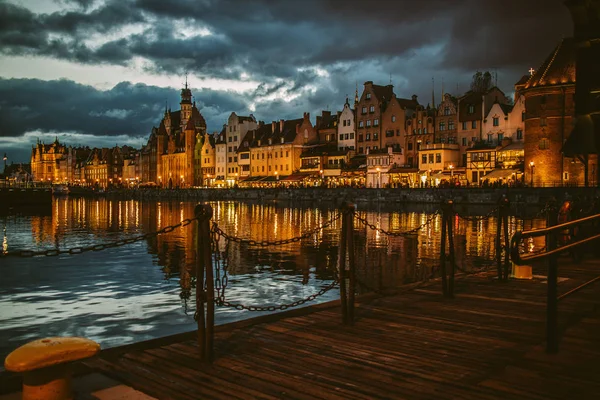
145, 290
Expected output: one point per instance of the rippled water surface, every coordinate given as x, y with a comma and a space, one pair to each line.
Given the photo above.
146, 289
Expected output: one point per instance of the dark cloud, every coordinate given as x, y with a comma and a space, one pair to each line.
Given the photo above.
279, 44
126, 109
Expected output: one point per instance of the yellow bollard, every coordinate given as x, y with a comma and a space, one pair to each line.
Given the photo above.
45, 365
521, 271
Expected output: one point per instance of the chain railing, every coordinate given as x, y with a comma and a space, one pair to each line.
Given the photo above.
96, 247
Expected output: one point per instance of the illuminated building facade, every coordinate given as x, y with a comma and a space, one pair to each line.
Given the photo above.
174, 144
550, 107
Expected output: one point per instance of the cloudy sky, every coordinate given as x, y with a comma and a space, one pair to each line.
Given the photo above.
98, 72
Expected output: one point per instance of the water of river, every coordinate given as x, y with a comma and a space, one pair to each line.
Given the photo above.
144, 290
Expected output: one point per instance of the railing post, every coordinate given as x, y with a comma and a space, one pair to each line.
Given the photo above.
447, 233
502, 221
204, 270
350, 209
552, 300
342, 265
443, 251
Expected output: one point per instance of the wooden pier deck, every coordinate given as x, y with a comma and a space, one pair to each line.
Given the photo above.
486, 343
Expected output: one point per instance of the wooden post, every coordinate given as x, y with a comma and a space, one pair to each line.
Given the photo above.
552, 300
342, 265
204, 269
499, 241
506, 238
350, 209
450, 225
443, 250
502, 222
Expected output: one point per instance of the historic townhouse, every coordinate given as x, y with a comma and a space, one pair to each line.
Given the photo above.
206, 159
437, 162
447, 119
369, 110
472, 107
221, 158
346, 129
393, 122
235, 131
276, 152
56, 163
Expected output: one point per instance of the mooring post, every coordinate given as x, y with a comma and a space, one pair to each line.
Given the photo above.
342, 265
204, 270
350, 209
443, 249
552, 296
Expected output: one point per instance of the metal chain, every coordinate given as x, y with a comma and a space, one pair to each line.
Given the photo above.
239, 306
389, 233
220, 263
97, 247
265, 243
479, 218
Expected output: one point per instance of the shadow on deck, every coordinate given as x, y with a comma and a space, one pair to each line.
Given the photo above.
487, 343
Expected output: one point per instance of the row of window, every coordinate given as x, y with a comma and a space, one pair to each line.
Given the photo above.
361, 124
379, 161
425, 157
269, 155
346, 122
232, 138
347, 136
262, 168
371, 109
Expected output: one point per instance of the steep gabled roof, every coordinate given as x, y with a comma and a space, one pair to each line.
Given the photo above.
383, 92
558, 68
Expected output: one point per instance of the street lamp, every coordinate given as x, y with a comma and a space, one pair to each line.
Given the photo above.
378, 177
321, 172
532, 166
451, 172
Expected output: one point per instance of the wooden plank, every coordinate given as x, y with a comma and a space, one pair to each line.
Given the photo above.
487, 343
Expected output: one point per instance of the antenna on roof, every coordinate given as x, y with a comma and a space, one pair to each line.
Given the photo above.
390, 78
186, 80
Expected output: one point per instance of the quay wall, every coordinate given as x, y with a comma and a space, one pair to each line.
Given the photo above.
525, 196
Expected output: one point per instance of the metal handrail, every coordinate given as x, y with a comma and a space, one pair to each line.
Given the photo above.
550, 254
518, 237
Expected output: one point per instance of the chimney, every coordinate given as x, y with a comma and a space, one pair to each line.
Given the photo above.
281, 121
326, 113
414, 97
273, 126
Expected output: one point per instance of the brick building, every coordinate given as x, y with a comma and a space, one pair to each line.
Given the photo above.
549, 103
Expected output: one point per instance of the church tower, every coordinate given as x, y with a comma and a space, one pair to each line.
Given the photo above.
186, 105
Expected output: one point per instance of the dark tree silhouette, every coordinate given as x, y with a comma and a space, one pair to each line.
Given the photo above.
482, 82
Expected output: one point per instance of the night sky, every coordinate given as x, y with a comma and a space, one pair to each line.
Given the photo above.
99, 72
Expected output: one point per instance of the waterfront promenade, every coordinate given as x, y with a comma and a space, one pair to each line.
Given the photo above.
486, 343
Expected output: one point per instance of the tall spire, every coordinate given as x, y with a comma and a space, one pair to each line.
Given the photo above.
186, 80
433, 92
